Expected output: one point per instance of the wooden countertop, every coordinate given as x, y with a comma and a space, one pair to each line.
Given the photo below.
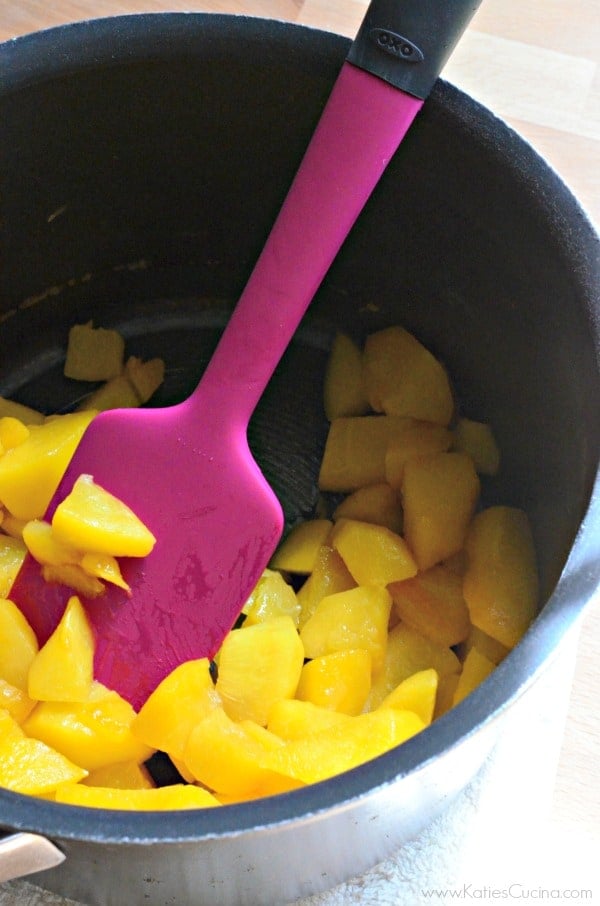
537, 65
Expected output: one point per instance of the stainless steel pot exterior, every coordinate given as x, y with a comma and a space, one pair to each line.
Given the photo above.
143, 159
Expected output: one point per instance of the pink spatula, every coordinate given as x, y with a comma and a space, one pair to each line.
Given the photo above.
187, 471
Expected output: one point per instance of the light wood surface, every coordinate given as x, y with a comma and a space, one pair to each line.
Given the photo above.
535, 64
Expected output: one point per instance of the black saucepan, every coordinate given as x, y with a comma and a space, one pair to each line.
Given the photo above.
143, 160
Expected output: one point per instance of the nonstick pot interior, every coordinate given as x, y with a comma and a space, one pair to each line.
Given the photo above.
143, 161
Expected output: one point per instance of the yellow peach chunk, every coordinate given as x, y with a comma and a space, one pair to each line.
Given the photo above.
18, 645
477, 440
329, 576
373, 554
92, 519
183, 698
31, 472
62, 670
494, 650
13, 526
75, 577
340, 680
271, 597
45, 547
9, 727
12, 554
439, 494
298, 551
105, 568
402, 377
476, 668
355, 450
321, 755
409, 652
93, 353
343, 390
258, 665
123, 775
24, 413
357, 618
418, 439
292, 718
417, 693
145, 377
223, 755
432, 603
30, 766
377, 503
15, 701
117, 393
165, 798
501, 582
12, 432
91, 733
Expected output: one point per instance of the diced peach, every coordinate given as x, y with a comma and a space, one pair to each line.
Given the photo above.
329, 576
357, 618
258, 665
402, 377
15, 701
322, 755
178, 703
91, 733
224, 756
272, 597
501, 581
12, 432
10, 729
105, 568
45, 547
433, 604
30, 766
476, 668
409, 652
418, 439
12, 554
477, 441
31, 472
62, 670
298, 552
117, 393
292, 718
75, 577
145, 377
494, 650
123, 775
355, 450
24, 413
373, 554
340, 681
344, 392
377, 503
417, 693
445, 694
165, 798
439, 494
93, 353
92, 519
18, 645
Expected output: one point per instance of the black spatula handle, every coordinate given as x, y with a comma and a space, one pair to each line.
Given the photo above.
407, 42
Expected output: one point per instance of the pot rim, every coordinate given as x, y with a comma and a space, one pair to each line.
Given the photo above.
53, 52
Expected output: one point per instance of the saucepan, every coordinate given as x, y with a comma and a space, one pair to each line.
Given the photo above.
143, 161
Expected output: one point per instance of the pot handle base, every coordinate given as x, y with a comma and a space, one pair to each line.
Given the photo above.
24, 854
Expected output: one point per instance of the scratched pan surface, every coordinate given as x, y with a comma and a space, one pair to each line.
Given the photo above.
142, 162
